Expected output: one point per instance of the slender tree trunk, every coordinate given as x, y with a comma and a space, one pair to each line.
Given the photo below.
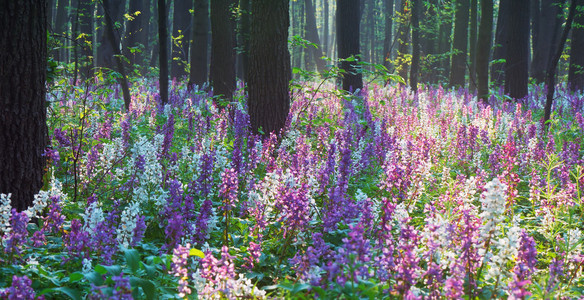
269, 66
459, 57
473, 45
516, 73
23, 61
106, 50
576, 69
387, 42
416, 9
222, 74
199, 58
84, 38
163, 53
348, 42
402, 65
445, 39
136, 40
484, 49
61, 30
325, 30
243, 38
312, 36
181, 38
550, 28
551, 71
501, 44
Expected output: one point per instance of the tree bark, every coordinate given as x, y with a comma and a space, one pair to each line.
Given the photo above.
550, 27
484, 49
23, 62
387, 42
106, 50
163, 53
199, 59
501, 43
458, 63
244, 28
312, 36
222, 75
416, 10
348, 42
516, 68
269, 66
576, 69
402, 65
61, 30
325, 30
551, 71
137, 31
472, 35
84, 38
181, 37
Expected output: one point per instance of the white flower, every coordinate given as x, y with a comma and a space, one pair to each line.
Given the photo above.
87, 267
493, 206
5, 208
92, 217
128, 224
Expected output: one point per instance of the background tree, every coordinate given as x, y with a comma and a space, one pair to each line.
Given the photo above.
549, 28
108, 45
484, 49
348, 42
459, 56
222, 74
388, 37
269, 66
181, 37
23, 61
199, 60
516, 76
416, 10
163, 55
84, 38
312, 36
472, 37
401, 63
501, 43
137, 32
576, 70
61, 29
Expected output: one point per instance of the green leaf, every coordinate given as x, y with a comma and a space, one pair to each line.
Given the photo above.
147, 286
100, 269
132, 259
94, 277
71, 293
73, 277
196, 252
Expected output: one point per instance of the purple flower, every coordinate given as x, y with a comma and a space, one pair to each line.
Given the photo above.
77, 241
54, 220
20, 289
201, 224
18, 236
228, 190
122, 288
139, 230
180, 270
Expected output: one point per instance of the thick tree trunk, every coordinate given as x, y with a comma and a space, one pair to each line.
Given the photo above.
516, 70
576, 70
222, 75
199, 70
416, 10
181, 37
550, 27
458, 63
472, 35
387, 42
243, 38
501, 43
348, 42
163, 53
137, 32
106, 50
269, 66
84, 38
484, 49
312, 36
23, 61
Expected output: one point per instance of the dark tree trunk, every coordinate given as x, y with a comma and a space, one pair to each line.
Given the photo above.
113, 40
85, 36
403, 39
458, 63
472, 35
325, 30
516, 70
163, 53
445, 39
269, 66
387, 42
576, 70
106, 50
199, 47
60, 29
222, 75
312, 36
416, 10
550, 79
348, 42
23, 61
137, 32
550, 28
501, 43
181, 37
244, 28
484, 49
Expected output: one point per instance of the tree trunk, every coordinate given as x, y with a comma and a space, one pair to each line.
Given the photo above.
163, 53
550, 28
61, 30
312, 36
106, 50
484, 49
387, 42
445, 39
222, 75
325, 30
473, 45
551, 71
458, 63
181, 37
23, 61
348, 42
199, 47
576, 69
501, 43
137, 31
402, 65
269, 66
84, 38
416, 10
516, 72
243, 38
